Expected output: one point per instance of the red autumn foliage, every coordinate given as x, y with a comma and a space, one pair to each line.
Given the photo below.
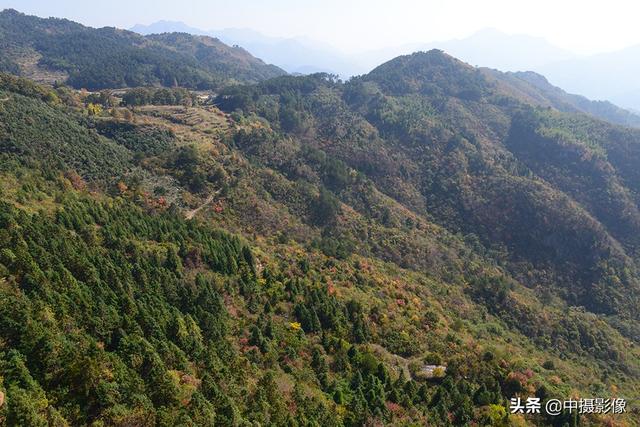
393, 407
76, 180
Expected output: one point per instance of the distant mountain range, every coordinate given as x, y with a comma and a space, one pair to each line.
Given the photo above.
610, 76
295, 55
485, 48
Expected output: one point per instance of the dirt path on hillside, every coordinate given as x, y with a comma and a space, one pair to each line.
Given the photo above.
190, 214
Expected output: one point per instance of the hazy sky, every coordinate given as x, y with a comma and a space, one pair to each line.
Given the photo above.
581, 26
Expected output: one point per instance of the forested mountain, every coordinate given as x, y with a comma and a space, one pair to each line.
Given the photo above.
556, 194
61, 50
415, 246
548, 95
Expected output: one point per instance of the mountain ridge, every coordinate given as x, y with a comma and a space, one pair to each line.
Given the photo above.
109, 57
486, 48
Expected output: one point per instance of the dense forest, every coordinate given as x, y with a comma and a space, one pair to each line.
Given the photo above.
415, 246
83, 57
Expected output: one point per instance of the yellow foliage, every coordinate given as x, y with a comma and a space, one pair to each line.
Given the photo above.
94, 109
438, 372
296, 326
517, 420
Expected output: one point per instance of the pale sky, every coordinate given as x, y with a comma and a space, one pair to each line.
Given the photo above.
580, 26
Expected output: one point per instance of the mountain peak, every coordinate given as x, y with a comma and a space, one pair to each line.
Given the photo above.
533, 77
10, 11
432, 72
424, 60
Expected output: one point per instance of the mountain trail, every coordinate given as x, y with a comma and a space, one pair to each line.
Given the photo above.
190, 214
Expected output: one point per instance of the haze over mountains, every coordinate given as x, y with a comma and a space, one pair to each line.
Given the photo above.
607, 76
612, 76
295, 55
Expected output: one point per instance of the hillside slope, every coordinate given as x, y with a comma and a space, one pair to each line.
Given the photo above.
553, 193
389, 251
61, 50
563, 101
